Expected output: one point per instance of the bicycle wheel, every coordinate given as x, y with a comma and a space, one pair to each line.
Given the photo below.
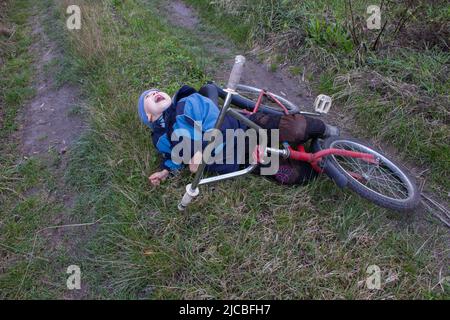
385, 183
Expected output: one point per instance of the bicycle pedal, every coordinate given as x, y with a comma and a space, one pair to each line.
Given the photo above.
322, 104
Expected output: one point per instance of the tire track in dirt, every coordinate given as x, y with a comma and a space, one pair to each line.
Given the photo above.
255, 73
47, 123
50, 125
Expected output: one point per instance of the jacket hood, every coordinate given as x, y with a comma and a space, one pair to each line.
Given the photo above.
141, 110
183, 92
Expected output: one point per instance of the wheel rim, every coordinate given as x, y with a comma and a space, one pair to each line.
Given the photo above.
384, 178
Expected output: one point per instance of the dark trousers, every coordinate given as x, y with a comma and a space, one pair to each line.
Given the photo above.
294, 129
210, 91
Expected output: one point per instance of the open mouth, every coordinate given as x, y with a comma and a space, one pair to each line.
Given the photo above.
159, 98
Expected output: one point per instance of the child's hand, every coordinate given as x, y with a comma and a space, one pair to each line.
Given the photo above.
259, 155
157, 177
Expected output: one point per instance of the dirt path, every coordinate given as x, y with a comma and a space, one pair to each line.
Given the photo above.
50, 125
256, 74
282, 82
47, 120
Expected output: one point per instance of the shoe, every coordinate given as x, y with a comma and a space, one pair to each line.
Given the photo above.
331, 131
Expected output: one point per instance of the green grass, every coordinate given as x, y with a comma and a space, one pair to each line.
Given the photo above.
405, 95
25, 260
16, 70
238, 29
248, 238
15, 179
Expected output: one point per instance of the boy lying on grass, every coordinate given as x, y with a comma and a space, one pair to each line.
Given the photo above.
188, 108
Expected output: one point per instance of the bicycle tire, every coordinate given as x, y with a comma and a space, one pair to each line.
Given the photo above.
363, 190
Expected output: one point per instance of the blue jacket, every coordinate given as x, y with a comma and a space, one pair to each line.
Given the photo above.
188, 108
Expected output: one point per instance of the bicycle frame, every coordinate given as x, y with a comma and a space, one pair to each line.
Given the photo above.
300, 154
283, 103
315, 158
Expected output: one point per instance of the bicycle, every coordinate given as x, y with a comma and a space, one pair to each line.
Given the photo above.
347, 161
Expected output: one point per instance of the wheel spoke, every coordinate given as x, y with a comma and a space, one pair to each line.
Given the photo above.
380, 177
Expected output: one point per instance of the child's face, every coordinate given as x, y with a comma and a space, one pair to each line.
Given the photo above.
155, 102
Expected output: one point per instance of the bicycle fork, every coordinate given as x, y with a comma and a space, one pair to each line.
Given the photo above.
192, 189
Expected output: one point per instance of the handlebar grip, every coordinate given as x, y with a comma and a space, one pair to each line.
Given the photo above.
236, 72
187, 197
